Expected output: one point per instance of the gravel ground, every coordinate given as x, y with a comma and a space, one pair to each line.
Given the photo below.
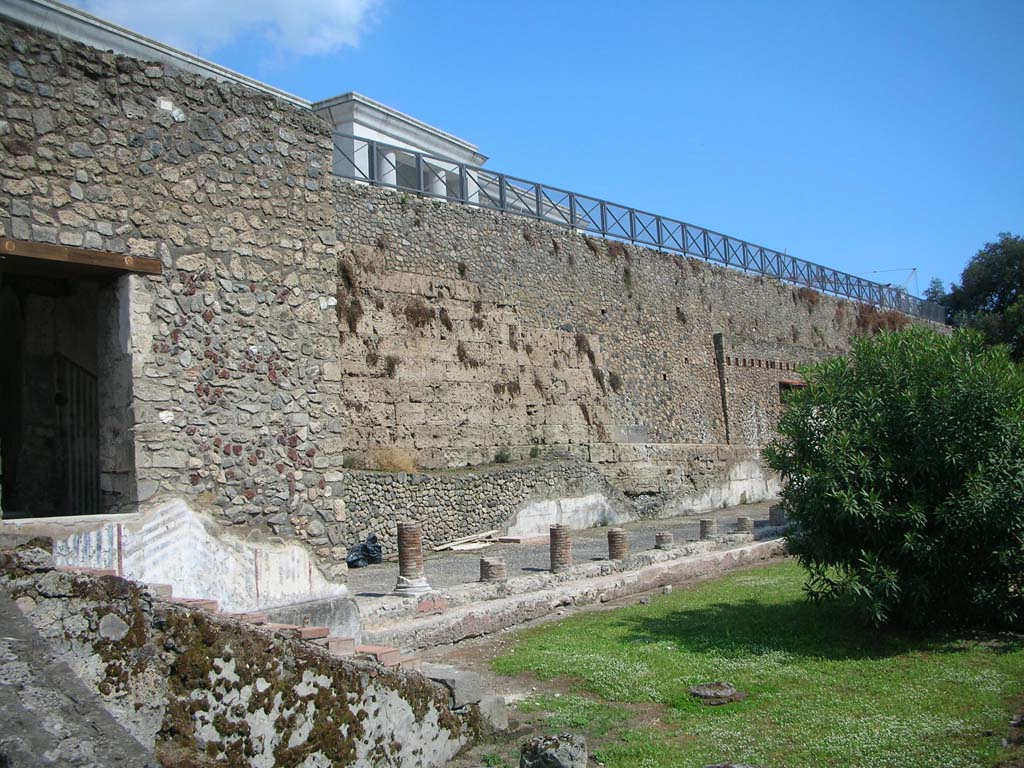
449, 569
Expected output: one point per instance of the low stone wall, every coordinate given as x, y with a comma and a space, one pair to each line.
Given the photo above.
473, 610
454, 504
183, 682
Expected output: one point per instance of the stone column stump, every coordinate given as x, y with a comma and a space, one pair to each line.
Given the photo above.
618, 544
663, 540
412, 579
776, 515
708, 529
493, 569
744, 524
561, 548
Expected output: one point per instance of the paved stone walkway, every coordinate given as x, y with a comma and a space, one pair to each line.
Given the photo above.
449, 569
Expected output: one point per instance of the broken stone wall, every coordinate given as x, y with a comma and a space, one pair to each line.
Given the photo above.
186, 683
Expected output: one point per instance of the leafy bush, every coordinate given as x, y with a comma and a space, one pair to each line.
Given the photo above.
904, 479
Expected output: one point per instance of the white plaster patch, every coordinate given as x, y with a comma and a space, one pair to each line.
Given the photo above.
577, 512
172, 544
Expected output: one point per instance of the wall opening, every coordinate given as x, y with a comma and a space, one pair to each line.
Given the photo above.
66, 445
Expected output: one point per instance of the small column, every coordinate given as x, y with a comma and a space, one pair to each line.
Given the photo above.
708, 529
663, 540
411, 577
387, 166
561, 548
776, 515
493, 569
744, 524
618, 544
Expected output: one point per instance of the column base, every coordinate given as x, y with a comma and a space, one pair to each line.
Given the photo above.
412, 586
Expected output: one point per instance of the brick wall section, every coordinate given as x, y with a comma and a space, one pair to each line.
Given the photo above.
235, 347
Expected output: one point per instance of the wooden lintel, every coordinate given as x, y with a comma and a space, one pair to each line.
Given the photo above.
85, 257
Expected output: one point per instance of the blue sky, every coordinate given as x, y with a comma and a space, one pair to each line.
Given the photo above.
862, 135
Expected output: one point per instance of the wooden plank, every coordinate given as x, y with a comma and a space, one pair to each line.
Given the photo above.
81, 256
466, 539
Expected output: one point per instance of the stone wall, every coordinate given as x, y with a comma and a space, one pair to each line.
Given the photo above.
467, 332
303, 323
188, 685
234, 348
455, 504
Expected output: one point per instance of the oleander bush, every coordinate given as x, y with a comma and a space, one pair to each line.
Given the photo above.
903, 470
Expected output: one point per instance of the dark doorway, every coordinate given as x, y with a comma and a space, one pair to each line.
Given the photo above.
49, 430
66, 442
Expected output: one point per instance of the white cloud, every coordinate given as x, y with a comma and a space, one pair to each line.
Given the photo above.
295, 27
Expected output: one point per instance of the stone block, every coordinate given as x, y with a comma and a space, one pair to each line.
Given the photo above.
494, 712
465, 686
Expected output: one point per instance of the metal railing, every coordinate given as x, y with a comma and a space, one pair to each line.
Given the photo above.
387, 165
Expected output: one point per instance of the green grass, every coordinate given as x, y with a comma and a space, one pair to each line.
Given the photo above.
823, 690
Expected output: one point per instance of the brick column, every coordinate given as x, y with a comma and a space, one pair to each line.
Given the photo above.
744, 524
663, 540
561, 548
618, 544
493, 569
411, 578
708, 528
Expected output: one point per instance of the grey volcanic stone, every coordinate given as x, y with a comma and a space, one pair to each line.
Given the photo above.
465, 686
112, 627
563, 751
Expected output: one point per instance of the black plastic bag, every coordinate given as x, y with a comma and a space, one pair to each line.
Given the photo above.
365, 553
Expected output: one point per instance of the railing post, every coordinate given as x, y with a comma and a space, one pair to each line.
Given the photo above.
538, 197
463, 184
604, 218
371, 162
660, 233
632, 225
419, 172
572, 210
501, 192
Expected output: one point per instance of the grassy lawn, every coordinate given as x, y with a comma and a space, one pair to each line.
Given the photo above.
823, 691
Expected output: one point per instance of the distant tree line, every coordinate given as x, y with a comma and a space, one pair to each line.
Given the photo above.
990, 295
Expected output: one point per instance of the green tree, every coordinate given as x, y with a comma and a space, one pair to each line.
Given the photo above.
903, 469
936, 291
990, 295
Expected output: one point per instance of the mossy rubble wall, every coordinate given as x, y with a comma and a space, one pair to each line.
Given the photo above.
203, 690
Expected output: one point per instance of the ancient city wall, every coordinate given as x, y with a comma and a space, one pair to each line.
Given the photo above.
305, 327
234, 348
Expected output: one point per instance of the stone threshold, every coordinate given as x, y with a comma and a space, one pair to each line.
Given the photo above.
482, 609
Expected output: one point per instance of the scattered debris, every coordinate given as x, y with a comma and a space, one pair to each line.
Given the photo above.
467, 539
563, 751
716, 694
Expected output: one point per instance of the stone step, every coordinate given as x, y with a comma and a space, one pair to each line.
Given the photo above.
336, 646
291, 630
197, 602
166, 591
384, 655
314, 633
88, 571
